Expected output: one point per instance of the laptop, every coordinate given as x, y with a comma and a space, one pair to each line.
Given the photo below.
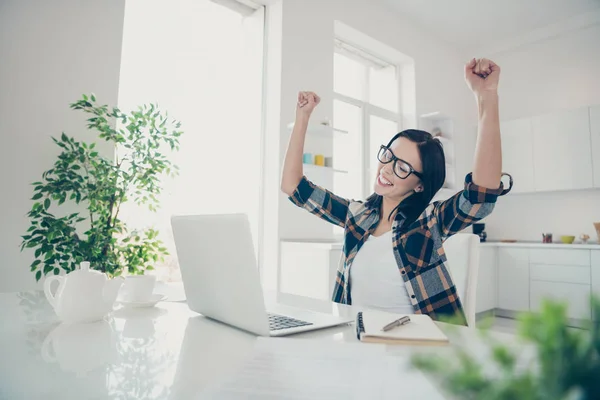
222, 282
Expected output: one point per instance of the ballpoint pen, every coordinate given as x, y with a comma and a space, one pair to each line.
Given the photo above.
400, 321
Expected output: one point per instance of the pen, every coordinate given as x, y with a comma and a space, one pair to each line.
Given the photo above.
400, 321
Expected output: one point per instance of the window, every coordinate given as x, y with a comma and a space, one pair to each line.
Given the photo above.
366, 104
203, 63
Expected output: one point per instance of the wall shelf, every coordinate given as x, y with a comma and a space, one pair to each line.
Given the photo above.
313, 167
320, 130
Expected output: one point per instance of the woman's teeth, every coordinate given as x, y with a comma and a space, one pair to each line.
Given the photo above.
384, 181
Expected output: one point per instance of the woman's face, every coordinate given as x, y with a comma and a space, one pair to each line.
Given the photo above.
387, 183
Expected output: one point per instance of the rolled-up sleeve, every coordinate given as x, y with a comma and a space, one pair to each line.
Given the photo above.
466, 207
320, 202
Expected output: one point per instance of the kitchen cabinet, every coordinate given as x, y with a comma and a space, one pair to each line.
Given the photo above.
517, 153
576, 296
558, 256
562, 159
596, 272
595, 131
487, 293
513, 279
560, 273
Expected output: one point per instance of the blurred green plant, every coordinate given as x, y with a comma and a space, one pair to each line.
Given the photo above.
566, 367
82, 175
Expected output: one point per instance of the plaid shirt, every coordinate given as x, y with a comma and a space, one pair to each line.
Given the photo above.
418, 248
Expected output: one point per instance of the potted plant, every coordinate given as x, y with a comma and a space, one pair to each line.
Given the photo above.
566, 364
100, 185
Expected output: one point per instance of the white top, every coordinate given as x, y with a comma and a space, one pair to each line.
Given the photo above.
375, 279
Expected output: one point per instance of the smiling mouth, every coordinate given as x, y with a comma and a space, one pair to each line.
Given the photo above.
384, 182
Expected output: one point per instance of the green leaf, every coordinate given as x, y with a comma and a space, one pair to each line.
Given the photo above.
94, 154
38, 252
64, 137
37, 196
47, 203
38, 276
56, 271
93, 97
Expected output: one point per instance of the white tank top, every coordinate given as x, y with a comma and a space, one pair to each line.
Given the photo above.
375, 279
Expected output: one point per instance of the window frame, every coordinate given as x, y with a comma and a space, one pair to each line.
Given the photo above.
368, 110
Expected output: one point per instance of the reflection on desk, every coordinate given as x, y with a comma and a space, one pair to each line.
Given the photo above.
166, 352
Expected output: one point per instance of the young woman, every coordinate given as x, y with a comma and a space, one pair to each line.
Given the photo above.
393, 244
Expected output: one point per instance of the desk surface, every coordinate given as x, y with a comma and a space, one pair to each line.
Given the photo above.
165, 352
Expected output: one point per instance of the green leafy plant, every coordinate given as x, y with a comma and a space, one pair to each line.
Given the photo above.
566, 365
82, 175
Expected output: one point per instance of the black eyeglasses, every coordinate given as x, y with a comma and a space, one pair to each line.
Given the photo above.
401, 168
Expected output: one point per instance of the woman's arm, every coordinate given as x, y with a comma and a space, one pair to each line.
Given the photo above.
303, 193
482, 77
483, 186
292, 167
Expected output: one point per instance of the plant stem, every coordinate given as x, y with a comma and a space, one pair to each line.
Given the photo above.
87, 173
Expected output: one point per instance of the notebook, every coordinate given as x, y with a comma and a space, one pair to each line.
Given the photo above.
421, 330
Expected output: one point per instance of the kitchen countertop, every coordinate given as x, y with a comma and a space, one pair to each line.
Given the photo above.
575, 246
337, 245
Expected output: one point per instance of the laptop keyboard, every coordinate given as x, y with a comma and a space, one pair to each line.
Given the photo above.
278, 322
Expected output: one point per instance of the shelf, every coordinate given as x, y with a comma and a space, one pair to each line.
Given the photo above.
435, 116
320, 130
313, 167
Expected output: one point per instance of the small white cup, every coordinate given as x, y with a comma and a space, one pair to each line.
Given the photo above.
138, 287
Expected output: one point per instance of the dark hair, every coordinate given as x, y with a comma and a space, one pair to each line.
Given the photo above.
434, 175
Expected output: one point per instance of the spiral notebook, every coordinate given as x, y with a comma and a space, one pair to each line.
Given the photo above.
421, 330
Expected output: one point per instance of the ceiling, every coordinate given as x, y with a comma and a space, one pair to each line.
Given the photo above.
473, 24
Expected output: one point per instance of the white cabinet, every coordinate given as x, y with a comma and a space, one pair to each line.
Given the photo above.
560, 256
517, 153
596, 272
561, 275
576, 296
595, 130
487, 280
562, 159
513, 279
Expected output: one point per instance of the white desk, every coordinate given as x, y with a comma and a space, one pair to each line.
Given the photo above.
166, 352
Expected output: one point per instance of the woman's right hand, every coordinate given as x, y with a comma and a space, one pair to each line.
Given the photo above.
307, 101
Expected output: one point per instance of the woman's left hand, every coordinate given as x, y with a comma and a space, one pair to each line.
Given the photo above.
482, 76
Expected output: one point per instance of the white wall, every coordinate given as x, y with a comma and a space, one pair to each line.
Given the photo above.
51, 53
307, 64
542, 77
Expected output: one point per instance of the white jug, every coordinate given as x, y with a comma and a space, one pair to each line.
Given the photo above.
83, 295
